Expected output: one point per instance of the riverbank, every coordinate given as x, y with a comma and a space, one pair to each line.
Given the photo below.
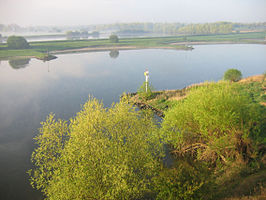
39, 49
118, 48
160, 101
220, 42
242, 180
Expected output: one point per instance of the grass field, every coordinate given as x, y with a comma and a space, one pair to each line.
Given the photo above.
39, 49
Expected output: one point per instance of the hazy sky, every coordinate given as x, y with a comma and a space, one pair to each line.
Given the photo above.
85, 12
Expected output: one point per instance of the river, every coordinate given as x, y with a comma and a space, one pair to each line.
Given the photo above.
31, 89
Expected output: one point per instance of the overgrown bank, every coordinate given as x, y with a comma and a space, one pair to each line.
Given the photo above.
161, 101
217, 123
216, 133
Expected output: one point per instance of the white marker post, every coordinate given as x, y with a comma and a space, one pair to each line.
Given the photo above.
146, 74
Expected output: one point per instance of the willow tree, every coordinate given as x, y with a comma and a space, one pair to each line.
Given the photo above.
217, 123
102, 154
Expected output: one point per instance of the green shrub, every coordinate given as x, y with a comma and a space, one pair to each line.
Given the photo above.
216, 123
143, 94
233, 75
186, 181
102, 154
17, 42
114, 38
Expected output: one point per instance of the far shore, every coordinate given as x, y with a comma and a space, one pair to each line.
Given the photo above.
263, 42
174, 46
96, 49
121, 48
46, 49
187, 44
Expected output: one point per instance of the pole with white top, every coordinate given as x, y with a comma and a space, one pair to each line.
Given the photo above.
146, 74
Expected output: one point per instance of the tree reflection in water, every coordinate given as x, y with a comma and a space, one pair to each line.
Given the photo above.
114, 53
19, 63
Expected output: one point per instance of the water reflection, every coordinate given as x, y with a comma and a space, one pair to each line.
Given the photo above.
114, 53
19, 63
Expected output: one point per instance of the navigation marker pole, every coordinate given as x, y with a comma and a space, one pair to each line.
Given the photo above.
146, 74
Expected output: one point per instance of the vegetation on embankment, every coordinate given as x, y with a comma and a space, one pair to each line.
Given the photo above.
252, 37
216, 136
222, 124
39, 49
242, 179
165, 99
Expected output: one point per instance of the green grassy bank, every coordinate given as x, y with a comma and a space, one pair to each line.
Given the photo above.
215, 137
39, 49
163, 100
208, 122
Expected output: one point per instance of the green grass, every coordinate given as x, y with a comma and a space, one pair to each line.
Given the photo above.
39, 49
6, 54
163, 100
248, 37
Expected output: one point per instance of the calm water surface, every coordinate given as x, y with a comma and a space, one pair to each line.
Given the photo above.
32, 89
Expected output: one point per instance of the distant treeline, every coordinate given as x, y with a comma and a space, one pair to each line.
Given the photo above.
37, 29
162, 28
172, 28
179, 28
213, 28
81, 34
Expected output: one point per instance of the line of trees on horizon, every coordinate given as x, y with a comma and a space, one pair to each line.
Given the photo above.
165, 28
81, 34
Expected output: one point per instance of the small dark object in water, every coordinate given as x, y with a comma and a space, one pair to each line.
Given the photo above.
49, 57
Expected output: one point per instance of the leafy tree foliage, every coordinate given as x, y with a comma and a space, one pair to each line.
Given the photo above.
216, 123
102, 154
166, 28
145, 95
207, 28
114, 38
81, 34
187, 180
233, 75
17, 42
176, 28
